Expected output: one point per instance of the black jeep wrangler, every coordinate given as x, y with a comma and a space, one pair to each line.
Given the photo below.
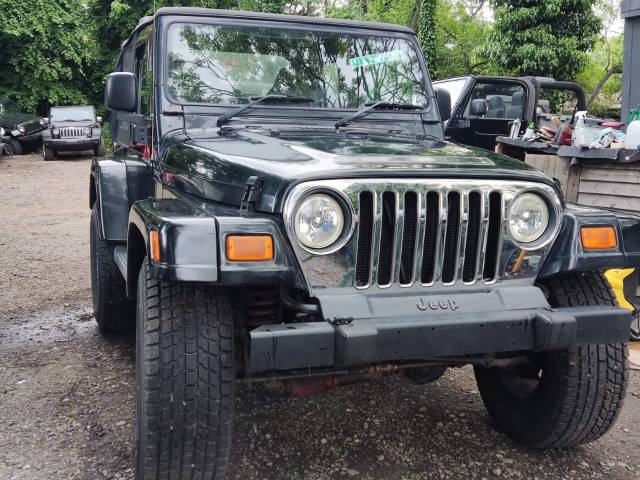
281, 206
485, 108
20, 131
72, 129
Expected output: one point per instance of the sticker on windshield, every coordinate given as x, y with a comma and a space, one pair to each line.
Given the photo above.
376, 58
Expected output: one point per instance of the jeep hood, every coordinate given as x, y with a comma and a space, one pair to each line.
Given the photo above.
12, 120
218, 168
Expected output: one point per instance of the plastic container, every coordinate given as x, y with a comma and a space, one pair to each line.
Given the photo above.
632, 140
585, 130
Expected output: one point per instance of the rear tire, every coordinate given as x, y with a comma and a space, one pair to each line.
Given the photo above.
112, 310
562, 398
184, 380
16, 146
100, 150
48, 153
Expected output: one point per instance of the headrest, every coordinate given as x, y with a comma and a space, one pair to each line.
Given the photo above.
495, 102
517, 98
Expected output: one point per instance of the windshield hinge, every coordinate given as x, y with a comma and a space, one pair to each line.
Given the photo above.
252, 191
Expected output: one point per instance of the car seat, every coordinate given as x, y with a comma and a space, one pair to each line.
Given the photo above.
517, 101
496, 108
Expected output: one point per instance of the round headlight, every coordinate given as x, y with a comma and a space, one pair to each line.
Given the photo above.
318, 221
528, 218
22, 129
87, 131
55, 132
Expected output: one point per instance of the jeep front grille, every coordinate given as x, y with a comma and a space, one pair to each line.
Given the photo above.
72, 132
31, 127
421, 233
461, 238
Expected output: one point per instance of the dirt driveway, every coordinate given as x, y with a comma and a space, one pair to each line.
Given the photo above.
66, 393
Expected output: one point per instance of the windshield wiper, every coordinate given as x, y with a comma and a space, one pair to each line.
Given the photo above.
368, 107
222, 119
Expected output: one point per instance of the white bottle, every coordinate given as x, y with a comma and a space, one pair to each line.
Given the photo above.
632, 138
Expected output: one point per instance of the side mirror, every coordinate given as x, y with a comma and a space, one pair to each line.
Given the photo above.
98, 120
443, 98
120, 92
479, 107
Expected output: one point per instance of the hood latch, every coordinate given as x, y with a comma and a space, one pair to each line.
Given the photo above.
252, 192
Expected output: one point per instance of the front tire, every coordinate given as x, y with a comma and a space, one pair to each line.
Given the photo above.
184, 380
48, 153
16, 146
562, 398
111, 308
100, 150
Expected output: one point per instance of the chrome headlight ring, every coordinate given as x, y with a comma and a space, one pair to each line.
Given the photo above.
554, 213
294, 202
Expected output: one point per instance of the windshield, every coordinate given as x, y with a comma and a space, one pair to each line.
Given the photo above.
7, 106
72, 114
233, 65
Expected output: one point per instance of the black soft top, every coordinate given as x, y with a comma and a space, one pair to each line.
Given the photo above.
209, 12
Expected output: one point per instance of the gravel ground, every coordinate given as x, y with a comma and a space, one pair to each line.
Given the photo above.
66, 393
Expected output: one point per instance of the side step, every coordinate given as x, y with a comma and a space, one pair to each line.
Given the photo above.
120, 257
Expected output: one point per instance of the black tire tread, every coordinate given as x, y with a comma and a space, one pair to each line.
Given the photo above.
113, 311
589, 383
188, 380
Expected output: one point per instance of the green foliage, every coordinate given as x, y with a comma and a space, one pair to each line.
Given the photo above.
459, 41
427, 33
45, 54
543, 37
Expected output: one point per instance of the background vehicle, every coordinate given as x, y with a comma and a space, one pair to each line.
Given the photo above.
295, 217
22, 131
485, 108
74, 128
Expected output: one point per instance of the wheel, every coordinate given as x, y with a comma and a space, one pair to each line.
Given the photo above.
184, 380
100, 150
48, 153
423, 375
562, 398
111, 308
635, 326
16, 146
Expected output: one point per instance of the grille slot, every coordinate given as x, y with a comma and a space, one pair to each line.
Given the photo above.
387, 238
365, 235
473, 237
493, 237
428, 236
409, 232
450, 259
432, 226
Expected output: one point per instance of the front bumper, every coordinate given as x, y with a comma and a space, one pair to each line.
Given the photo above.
66, 144
413, 327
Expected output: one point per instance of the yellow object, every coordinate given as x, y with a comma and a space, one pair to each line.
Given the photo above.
249, 248
598, 238
616, 277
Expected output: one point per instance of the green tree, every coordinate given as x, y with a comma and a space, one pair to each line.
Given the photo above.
46, 52
461, 34
543, 37
427, 33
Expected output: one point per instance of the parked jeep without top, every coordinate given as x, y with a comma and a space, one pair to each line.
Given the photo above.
484, 108
281, 206
21, 131
72, 129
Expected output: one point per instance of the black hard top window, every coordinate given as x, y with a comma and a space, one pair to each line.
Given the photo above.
7, 106
72, 114
233, 64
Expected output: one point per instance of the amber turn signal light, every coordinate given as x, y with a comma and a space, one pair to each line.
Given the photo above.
249, 248
154, 244
598, 238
